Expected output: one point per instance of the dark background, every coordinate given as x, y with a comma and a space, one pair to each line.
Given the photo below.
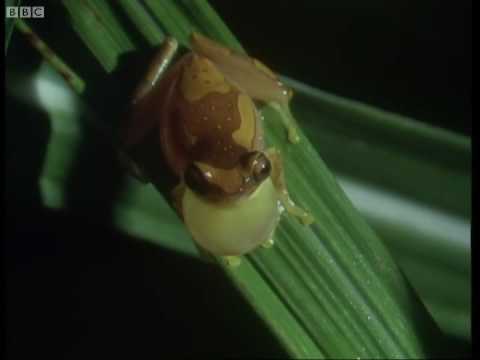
76, 288
409, 57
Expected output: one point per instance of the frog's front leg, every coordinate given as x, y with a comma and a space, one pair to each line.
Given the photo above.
278, 179
287, 119
268, 243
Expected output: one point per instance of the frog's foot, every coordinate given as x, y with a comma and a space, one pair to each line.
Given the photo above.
232, 261
268, 243
294, 210
132, 167
288, 120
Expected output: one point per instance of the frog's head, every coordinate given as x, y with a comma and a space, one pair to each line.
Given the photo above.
218, 184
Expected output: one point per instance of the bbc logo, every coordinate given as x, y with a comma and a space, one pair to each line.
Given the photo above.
25, 12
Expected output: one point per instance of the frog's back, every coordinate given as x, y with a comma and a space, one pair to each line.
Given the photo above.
213, 121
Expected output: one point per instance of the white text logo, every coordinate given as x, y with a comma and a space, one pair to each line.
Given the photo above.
25, 11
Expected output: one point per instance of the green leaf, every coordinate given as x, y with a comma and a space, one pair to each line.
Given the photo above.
413, 185
329, 290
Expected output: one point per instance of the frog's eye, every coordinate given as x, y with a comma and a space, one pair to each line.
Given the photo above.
257, 165
196, 180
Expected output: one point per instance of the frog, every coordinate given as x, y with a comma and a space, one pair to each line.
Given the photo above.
202, 111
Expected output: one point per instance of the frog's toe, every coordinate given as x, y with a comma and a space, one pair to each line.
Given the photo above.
232, 261
268, 243
293, 136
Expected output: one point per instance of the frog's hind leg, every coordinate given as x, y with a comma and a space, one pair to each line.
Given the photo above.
140, 121
157, 68
278, 179
137, 124
252, 77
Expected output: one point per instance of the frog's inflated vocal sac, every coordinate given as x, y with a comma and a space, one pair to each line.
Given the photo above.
201, 109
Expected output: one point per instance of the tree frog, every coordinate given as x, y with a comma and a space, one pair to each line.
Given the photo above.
200, 115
